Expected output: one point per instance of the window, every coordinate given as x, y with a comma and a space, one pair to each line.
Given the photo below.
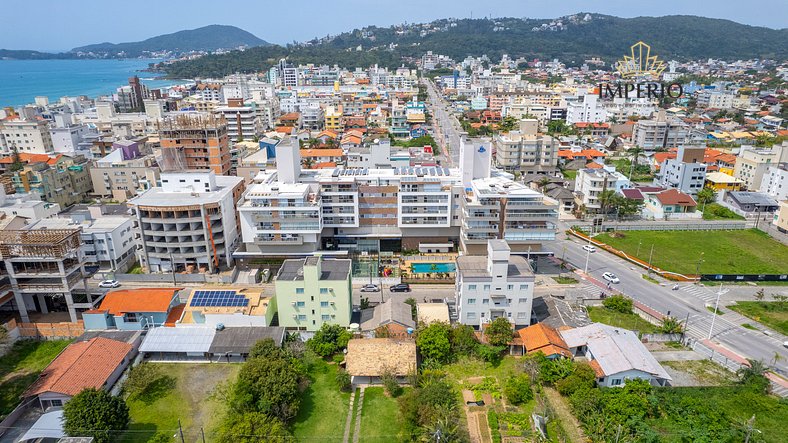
485, 301
509, 314
471, 287
615, 382
471, 301
324, 290
521, 315
471, 316
523, 287
300, 304
302, 317
522, 300
130, 317
56, 403
323, 304
325, 317
509, 287
486, 287
299, 290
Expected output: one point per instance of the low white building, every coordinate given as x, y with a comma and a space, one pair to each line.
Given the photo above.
499, 285
775, 182
591, 182
615, 354
26, 206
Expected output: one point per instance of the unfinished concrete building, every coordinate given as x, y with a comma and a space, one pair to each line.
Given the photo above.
44, 266
195, 142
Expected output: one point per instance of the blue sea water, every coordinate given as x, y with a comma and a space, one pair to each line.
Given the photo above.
22, 80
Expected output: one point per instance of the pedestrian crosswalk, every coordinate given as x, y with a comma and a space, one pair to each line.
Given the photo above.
699, 326
699, 291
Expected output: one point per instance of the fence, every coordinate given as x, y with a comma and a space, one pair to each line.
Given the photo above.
709, 353
743, 277
51, 331
700, 225
660, 338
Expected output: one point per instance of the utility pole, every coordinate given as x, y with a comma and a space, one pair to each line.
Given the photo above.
202, 434
714, 314
588, 255
180, 431
686, 325
697, 268
650, 256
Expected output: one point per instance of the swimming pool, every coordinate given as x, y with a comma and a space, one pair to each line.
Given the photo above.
423, 268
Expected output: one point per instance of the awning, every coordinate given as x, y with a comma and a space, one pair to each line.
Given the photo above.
49, 425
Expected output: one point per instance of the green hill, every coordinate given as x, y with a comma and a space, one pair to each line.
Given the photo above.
578, 37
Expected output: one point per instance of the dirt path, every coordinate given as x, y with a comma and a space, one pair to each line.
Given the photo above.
561, 409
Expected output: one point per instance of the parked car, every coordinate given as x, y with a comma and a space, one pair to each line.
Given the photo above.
109, 284
402, 287
370, 288
609, 276
589, 248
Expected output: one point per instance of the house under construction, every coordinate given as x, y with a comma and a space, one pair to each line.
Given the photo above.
195, 142
43, 267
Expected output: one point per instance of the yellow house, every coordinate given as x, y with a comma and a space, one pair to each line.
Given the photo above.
333, 118
720, 181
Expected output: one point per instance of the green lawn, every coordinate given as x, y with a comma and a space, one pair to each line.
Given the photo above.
735, 403
715, 211
640, 172
183, 391
632, 322
565, 280
770, 313
323, 408
570, 175
745, 251
704, 371
379, 417
21, 366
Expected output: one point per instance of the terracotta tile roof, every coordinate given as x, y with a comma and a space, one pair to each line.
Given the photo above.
284, 129
592, 125
598, 369
138, 300
675, 197
325, 165
660, 157
32, 158
337, 152
174, 315
586, 153
290, 116
540, 337
594, 165
82, 365
327, 133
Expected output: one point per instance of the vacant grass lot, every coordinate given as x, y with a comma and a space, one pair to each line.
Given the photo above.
324, 407
379, 417
600, 314
182, 391
770, 313
722, 252
20, 367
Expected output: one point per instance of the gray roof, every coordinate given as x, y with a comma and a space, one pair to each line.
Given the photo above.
753, 198
123, 336
475, 266
331, 269
241, 339
392, 311
181, 339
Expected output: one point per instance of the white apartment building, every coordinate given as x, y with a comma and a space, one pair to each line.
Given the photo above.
498, 285
526, 150
589, 183
29, 136
189, 223
26, 206
775, 182
686, 172
660, 133
242, 120
752, 163
585, 109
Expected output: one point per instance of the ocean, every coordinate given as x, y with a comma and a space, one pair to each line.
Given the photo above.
22, 80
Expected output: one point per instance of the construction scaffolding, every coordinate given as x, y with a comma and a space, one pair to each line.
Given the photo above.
50, 243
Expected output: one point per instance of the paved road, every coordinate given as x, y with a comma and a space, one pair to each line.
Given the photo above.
688, 303
446, 127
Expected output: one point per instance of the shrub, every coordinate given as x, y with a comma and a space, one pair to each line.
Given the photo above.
329, 339
618, 303
550, 371
343, 380
582, 378
670, 325
518, 389
499, 332
338, 358
95, 413
390, 383
490, 354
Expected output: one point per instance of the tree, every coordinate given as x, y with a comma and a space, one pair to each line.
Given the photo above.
760, 294
606, 199
518, 389
633, 153
433, 342
329, 339
543, 183
266, 348
753, 375
552, 370
583, 377
618, 303
344, 381
95, 413
270, 386
706, 195
670, 325
140, 378
499, 332
16, 161
253, 427
463, 340
508, 124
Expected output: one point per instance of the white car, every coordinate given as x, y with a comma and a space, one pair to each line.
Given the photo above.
370, 288
109, 284
609, 276
589, 248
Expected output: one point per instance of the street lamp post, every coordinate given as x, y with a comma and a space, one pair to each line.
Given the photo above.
714, 314
588, 255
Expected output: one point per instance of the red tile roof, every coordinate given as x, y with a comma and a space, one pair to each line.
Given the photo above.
675, 197
660, 157
138, 300
336, 152
174, 315
594, 165
542, 338
585, 153
82, 365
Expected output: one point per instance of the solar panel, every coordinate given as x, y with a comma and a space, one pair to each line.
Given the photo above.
219, 299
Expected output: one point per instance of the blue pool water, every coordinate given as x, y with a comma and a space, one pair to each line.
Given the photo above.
423, 268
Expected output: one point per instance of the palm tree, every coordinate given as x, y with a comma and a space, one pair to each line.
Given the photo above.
543, 182
706, 195
634, 153
606, 199
755, 369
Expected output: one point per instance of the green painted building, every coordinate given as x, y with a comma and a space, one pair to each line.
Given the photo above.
313, 291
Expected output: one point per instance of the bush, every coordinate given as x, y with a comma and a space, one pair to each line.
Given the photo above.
499, 332
338, 358
582, 378
490, 354
390, 383
329, 339
495, 427
433, 342
550, 371
618, 303
463, 340
95, 413
161, 437
670, 325
518, 389
343, 380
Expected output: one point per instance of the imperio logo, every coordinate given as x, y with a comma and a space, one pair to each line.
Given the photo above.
646, 70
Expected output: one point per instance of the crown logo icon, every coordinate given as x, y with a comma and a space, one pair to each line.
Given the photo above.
640, 63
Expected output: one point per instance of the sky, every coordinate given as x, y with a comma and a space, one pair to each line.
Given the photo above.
57, 25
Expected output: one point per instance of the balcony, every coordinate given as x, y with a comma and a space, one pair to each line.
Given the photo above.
279, 240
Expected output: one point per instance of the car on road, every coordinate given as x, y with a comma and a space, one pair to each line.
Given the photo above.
370, 288
402, 287
609, 276
109, 284
589, 248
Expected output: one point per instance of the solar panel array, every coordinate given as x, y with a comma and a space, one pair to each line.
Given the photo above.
219, 299
421, 171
